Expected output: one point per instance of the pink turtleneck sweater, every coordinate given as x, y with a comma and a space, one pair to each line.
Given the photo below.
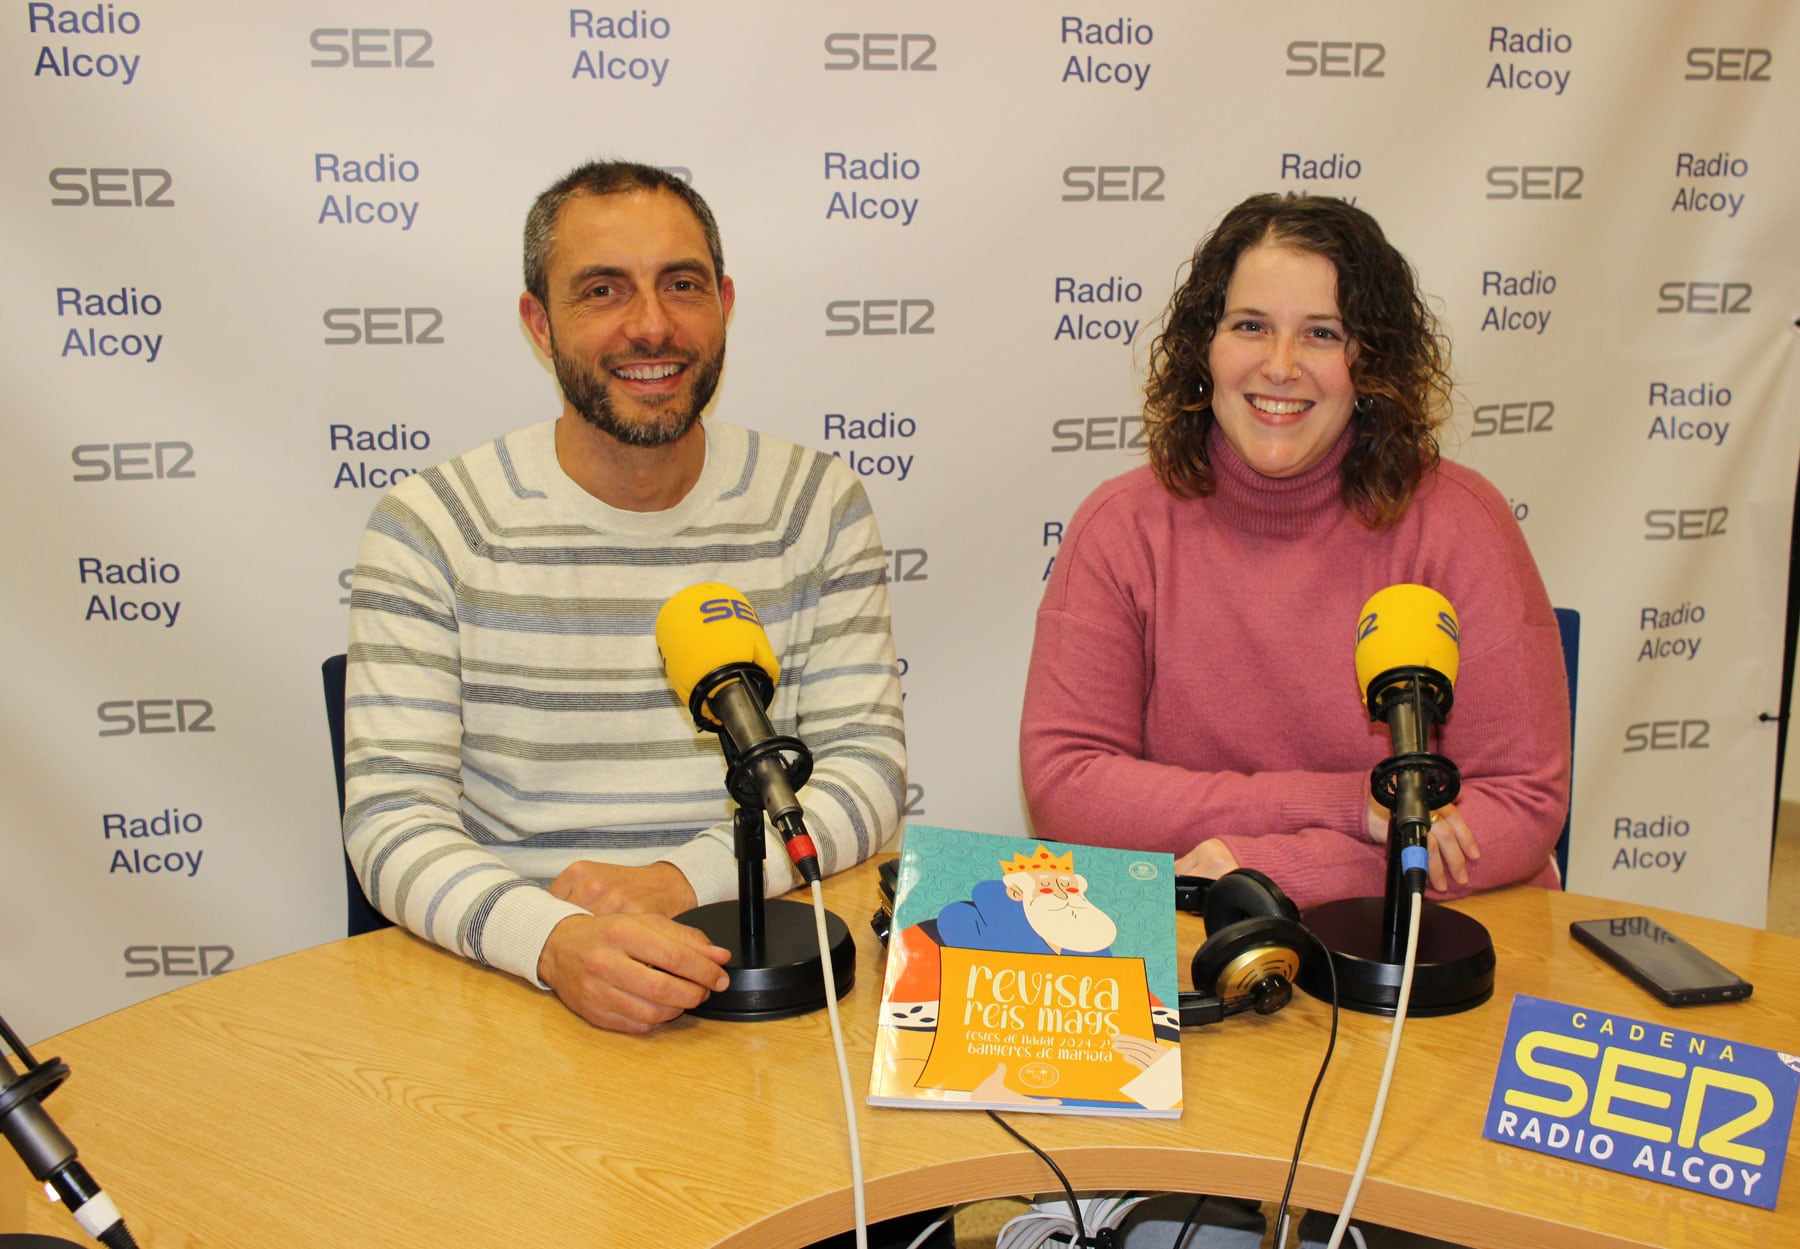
1193, 677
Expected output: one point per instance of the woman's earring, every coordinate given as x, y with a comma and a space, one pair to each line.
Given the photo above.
1365, 404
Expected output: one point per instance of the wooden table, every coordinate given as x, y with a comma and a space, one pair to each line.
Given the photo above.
377, 1091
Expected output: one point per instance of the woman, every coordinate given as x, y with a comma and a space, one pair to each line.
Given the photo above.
1192, 686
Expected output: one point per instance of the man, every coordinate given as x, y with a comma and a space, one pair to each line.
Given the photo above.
523, 786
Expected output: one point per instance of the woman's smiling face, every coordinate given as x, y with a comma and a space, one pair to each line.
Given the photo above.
1280, 361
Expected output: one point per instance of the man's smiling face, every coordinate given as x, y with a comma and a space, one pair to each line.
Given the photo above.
636, 319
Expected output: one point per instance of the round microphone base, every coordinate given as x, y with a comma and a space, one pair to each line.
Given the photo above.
1454, 971
782, 978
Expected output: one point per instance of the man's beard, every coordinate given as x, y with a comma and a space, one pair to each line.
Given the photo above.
586, 390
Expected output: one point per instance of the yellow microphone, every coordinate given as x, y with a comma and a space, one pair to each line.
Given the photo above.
707, 627
717, 656
1407, 649
1405, 626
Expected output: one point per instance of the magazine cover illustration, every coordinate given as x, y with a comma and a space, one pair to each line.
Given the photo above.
1025, 974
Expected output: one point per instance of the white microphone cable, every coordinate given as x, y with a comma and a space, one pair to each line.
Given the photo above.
843, 1065
1387, 1074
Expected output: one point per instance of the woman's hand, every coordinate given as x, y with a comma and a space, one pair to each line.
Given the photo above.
1209, 859
1450, 845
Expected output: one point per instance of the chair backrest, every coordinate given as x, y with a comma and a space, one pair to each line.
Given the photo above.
1568, 625
361, 916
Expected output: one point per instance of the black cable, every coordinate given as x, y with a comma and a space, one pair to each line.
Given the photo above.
1187, 1224
1074, 1206
1306, 1116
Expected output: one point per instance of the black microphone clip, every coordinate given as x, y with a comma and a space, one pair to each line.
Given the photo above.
47, 1153
763, 769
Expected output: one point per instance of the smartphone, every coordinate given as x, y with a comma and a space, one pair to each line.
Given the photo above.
1660, 961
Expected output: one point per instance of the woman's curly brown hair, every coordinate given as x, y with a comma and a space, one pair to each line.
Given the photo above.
1398, 369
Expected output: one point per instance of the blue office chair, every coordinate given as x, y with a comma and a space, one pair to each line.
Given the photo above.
362, 917
1568, 625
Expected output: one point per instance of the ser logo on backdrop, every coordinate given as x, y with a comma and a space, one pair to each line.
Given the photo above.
906, 563
62, 60
1113, 184
1535, 182
1335, 58
1514, 416
1685, 524
133, 461
1662, 735
1703, 299
145, 717
383, 327
1729, 65
81, 186
878, 318
177, 960
848, 50
372, 47
1098, 433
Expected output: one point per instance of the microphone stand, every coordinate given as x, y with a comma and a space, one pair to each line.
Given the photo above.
1367, 936
775, 967
47, 1153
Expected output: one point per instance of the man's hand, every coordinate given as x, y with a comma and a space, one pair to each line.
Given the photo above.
1450, 846
608, 889
1209, 859
629, 973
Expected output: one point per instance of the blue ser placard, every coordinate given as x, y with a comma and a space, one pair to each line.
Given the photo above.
1682, 1108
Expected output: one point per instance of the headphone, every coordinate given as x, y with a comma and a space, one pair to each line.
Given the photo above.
1253, 949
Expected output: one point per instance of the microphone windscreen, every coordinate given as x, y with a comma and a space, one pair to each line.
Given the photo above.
1405, 626
706, 627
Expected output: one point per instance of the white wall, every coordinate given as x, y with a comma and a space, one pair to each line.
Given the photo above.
217, 458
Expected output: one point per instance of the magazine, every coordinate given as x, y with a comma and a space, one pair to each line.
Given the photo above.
1025, 974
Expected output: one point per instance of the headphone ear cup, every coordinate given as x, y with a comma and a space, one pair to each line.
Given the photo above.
1284, 905
1245, 894
1250, 964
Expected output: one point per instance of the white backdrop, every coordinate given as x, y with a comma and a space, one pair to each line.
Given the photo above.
266, 258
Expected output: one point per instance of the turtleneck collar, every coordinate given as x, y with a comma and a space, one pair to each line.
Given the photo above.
1271, 507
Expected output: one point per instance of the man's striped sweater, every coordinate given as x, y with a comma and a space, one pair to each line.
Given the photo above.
506, 710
